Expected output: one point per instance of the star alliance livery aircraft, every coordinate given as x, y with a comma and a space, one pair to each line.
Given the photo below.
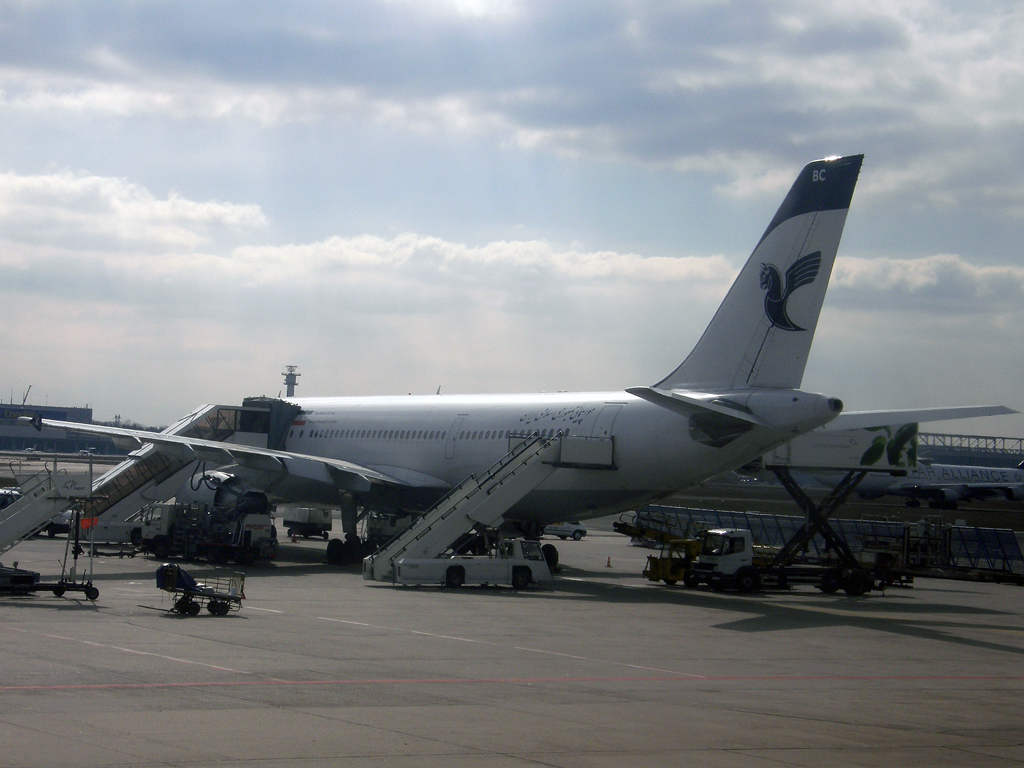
735, 397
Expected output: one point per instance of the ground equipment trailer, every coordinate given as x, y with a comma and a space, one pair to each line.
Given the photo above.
516, 563
220, 594
306, 522
217, 533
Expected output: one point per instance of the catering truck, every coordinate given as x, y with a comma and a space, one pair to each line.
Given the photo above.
730, 558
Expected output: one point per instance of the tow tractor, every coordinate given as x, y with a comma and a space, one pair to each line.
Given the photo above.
674, 562
678, 545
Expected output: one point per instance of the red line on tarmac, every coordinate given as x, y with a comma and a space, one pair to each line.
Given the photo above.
521, 681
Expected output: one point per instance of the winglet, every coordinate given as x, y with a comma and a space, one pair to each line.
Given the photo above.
36, 422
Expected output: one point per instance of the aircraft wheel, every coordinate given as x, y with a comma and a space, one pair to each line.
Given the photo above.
521, 577
336, 552
455, 577
550, 552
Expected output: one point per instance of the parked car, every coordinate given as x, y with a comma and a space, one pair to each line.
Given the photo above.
574, 530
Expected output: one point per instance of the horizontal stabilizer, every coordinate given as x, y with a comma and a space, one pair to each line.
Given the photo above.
864, 419
689, 403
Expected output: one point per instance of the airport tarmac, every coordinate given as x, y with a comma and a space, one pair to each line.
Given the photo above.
602, 669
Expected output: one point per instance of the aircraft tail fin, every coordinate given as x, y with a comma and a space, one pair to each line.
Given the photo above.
761, 334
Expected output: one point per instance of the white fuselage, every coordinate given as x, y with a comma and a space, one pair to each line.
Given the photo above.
432, 443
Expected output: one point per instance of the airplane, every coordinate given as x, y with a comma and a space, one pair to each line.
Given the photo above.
733, 398
943, 485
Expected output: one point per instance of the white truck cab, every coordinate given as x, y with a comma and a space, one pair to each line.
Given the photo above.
728, 557
516, 563
728, 549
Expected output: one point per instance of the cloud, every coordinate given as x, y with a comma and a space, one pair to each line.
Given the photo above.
519, 314
490, 195
69, 210
944, 284
705, 86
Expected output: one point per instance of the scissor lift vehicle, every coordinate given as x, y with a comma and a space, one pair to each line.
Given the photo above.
220, 594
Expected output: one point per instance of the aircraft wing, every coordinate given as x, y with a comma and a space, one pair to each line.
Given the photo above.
342, 473
866, 419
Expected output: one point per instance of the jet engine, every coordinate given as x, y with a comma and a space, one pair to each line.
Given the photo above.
220, 489
948, 495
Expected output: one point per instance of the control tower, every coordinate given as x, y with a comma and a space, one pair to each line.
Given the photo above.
290, 379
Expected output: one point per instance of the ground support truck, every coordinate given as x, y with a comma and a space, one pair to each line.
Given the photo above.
516, 563
729, 558
218, 534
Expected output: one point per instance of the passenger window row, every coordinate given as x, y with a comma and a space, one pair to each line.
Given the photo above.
402, 434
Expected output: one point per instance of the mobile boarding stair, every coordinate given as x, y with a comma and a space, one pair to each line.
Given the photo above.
43, 495
481, 502
146, 475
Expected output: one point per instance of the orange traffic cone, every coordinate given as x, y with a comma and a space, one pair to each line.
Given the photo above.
609, 563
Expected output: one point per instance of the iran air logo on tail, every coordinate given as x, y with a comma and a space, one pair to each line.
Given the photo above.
803, 272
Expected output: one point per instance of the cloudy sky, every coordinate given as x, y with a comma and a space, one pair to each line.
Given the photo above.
485, 196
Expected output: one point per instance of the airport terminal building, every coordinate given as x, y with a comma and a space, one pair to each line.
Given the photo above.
17, 436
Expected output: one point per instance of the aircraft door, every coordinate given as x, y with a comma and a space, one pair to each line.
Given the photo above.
453, 435
605, 420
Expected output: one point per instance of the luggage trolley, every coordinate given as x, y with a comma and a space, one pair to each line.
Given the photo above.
220, 594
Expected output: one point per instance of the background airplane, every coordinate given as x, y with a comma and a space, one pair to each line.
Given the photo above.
943, 485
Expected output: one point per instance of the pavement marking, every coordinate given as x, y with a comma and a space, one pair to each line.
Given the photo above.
134, 652
523, 681
630, 666
268, 610
514, 647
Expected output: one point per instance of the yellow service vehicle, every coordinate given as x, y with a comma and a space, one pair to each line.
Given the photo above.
674, 563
